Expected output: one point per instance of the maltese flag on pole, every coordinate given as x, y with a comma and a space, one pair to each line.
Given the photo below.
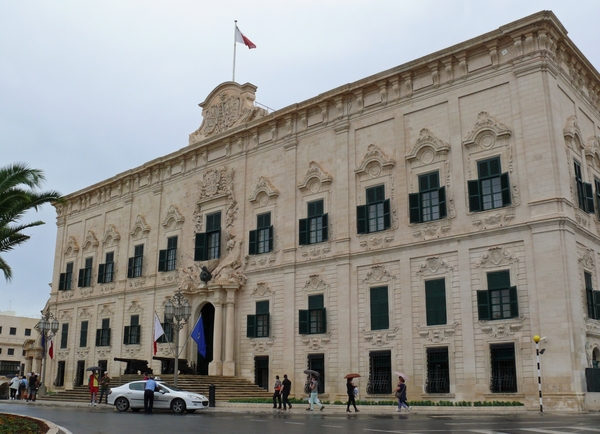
158, 331
239, 37
51, 350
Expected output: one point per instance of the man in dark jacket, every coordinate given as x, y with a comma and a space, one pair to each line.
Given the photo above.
287, 388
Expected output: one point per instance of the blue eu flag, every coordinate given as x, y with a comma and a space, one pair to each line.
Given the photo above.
198, 336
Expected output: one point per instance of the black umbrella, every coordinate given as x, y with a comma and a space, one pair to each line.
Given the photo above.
311, 372
94, 368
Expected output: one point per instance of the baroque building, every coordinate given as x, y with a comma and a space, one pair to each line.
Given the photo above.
429, 219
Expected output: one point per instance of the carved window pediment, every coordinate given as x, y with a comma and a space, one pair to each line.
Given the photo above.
375, 162
497, 256
91, 241
264, 187
173, 219
140, 228
572, 134
315, 178
378, 274
592, 151
486, 133
72, 247
427, 148
111, 236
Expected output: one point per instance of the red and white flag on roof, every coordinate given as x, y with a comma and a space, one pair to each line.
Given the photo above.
158, 331
239, 37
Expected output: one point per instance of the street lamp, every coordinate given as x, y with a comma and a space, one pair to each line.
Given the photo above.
47, 328
177, 312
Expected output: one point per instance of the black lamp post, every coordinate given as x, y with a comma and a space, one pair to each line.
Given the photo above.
46, 327
177, 312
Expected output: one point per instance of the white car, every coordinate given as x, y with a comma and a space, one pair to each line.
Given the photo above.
131, 395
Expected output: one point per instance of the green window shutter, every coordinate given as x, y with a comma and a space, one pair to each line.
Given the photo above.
126, 335
442, 201
324, 329
81, 278
61, 281
270, 238
505, 189
596, 296
387, 221
315, 301
101, 269
589, 197
498, 279
162, 260
514, 302
483, 305
98, 337
474, 196
361, 219
200, 247
262, 307
252, 244
268, 324
414, 205
108, 337
379, 308
325, 230
130, 262
435, 301
251, 326
303, 322
303, 232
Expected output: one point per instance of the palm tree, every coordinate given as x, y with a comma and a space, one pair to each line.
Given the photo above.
19, 193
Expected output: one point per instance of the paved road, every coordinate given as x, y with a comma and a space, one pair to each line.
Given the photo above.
94, 420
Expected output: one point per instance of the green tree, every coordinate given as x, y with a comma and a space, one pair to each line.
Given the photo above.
19, 193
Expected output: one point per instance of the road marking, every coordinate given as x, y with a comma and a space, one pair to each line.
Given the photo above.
547, 431
258, 420
485, 431
296, 423
333, 426
587, 429
381, 430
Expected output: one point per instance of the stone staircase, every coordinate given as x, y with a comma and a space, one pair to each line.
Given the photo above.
226, 388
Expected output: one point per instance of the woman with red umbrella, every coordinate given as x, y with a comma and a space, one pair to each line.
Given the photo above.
350, 390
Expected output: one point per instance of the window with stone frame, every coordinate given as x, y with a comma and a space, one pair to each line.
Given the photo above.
500, 300
597, 196
435, 302
12, 331
64, 336
313, 229
492, 188
83, 334
85, 274
503, 378
430, 202
208, 244
65, 279
258, 324
106, 270
316, 362
167, 259
380, 373
592, 297
261, 238
380, 316
374, 216
438, 370
132, 332
103, 334
135, 263
314, 319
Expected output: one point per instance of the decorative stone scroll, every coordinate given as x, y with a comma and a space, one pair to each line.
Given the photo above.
140, 228
382, 162
315, 178
72, 247
111, 236
486, 133
380, 338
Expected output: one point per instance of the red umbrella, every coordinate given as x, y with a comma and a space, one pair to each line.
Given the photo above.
352, 376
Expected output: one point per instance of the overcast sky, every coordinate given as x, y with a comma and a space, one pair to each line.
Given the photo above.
89, 89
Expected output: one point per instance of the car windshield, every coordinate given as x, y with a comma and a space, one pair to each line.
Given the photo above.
171, 387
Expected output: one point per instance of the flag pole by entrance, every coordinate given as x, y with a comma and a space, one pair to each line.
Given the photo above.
234, 46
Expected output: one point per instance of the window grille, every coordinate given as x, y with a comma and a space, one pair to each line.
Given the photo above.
380, 373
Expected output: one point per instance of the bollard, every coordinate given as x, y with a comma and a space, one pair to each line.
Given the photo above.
211, 395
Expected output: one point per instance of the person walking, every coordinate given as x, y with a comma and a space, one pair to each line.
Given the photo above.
314, 392
93, 383
104, 384
285, 391
351, 400
277, 393
32, 387
14, 387
149, 389
22, 387
401, 395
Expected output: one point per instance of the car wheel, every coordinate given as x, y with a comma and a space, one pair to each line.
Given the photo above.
178, 406
122, 404
191, 411
135, 410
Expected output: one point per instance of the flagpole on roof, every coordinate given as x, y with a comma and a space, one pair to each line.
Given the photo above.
234, 46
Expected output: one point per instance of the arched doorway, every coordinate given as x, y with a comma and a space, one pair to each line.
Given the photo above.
208, 320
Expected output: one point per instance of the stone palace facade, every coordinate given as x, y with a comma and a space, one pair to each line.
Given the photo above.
429, 219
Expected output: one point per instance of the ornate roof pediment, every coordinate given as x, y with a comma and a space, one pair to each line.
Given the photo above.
227, 106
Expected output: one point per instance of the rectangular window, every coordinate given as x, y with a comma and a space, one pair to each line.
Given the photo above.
208, 244
11, 351
585, 195
103, 334
504, 371
27, 332
597, 185
492, 189
438, 371
168, 329
380, 373
83, 334
261, 239
64, 283
500, 301
375, 215
430, 202
85, 274
134, 264
313, 320
314, 228
13, 331
132, 332
64, 336
316, 362
435, 301
105, 271
167, 258
592, 298
258, 324
379, 308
